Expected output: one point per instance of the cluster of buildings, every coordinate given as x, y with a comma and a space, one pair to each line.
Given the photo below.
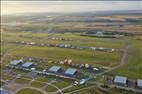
57, 70
64, 39
101, 34
62, 45
124, 81
22, 64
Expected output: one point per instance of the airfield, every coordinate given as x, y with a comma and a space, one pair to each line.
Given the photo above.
37, 54
108, 63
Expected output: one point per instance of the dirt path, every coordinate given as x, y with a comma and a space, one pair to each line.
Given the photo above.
124, 60
7, 53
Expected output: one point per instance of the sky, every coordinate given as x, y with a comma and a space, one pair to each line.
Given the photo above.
16, 7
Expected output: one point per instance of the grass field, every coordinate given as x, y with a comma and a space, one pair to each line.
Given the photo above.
62, 83
29, 91
51, 89
78, 56
96, 90
37, 84
134, 66
22, 81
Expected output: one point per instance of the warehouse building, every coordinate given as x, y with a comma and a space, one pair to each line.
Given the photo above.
71, 72
55, 69
120, 80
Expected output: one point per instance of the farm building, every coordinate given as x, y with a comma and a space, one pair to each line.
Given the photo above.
55, 69
71, 72
15, 62
27, 65
139, 83
120, 80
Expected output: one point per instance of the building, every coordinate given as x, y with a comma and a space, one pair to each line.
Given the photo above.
15, 62
139, 83
55, 69
3, 91
120, 80
27, 65
71, 72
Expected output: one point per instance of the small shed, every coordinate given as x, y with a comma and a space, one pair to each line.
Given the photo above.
71, 72
55, 69
15, 62
120, 80
27, 65
139, 83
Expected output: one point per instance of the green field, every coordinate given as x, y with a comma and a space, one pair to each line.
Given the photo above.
22, 81
78, 56
37, 84
134, 66
29, 91
50, 89
96, 90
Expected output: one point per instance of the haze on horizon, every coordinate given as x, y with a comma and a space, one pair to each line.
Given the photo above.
16, 7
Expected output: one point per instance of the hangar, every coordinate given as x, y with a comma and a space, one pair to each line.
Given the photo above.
71, 72
120, 80
55, 69
15, 62
139, 83
27, 65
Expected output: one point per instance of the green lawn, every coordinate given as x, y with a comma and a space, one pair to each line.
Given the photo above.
29, 91
97, 90
37, 84
43, 78
51, 89
62, 83
22, 81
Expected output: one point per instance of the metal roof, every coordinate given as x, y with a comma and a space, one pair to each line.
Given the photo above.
2, 91
70, 71
27, 64
120, 79
54, 69
15, 62
139, 82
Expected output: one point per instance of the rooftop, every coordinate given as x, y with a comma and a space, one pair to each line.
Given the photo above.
27, 64
139, 82
120, 79
3, 91
70, 71
15, 62
54, 69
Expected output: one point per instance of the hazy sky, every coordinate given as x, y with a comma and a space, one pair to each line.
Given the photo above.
13, 7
